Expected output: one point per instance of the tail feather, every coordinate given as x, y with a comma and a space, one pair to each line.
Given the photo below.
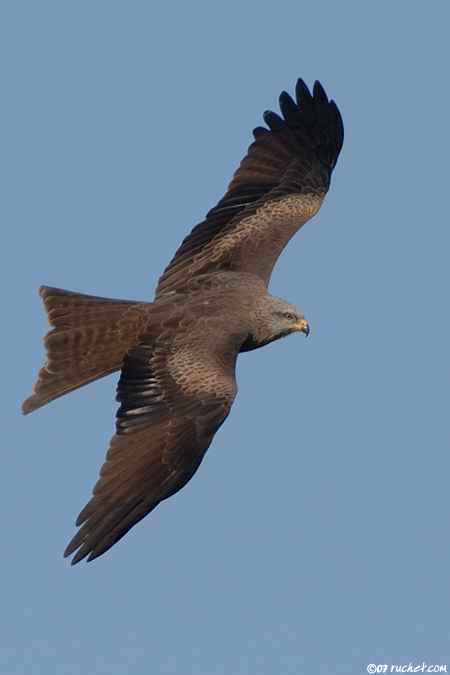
89, 339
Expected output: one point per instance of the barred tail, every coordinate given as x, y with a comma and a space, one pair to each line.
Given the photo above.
89, 339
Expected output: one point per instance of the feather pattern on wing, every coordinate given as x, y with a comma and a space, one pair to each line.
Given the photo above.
173, 399
279, 185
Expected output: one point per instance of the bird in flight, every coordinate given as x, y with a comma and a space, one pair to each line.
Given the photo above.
177, 354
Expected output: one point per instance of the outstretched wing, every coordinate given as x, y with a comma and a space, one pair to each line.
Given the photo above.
173, 400
280, 184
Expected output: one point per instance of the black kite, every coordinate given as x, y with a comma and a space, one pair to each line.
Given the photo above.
177, 354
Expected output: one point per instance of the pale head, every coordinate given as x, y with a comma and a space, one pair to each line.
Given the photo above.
273, 318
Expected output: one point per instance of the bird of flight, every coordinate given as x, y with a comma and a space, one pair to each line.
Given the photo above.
177, 354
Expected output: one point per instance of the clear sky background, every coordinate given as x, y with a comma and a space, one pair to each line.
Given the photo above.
315, 536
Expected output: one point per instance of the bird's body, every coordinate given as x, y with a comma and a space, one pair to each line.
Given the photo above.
177, 354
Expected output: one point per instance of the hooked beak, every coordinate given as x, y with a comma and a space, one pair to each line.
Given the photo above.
303, 327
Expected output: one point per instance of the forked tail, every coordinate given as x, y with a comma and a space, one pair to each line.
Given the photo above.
89, 339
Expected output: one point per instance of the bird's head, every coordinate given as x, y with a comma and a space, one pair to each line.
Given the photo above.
273, 318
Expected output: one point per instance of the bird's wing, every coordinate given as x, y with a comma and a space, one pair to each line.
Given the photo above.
280, 184
173, 400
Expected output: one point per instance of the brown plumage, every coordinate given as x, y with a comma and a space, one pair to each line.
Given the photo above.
177, 354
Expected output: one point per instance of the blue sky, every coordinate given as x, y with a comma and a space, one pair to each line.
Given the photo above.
315, 536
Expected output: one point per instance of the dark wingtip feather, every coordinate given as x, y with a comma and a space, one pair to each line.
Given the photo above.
80, 554
305, 103
301, 89
319, 92
274, 121
289, 110
321, 105
302, 93
258, 132
336, 126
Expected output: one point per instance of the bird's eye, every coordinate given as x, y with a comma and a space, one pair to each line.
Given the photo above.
288, 316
